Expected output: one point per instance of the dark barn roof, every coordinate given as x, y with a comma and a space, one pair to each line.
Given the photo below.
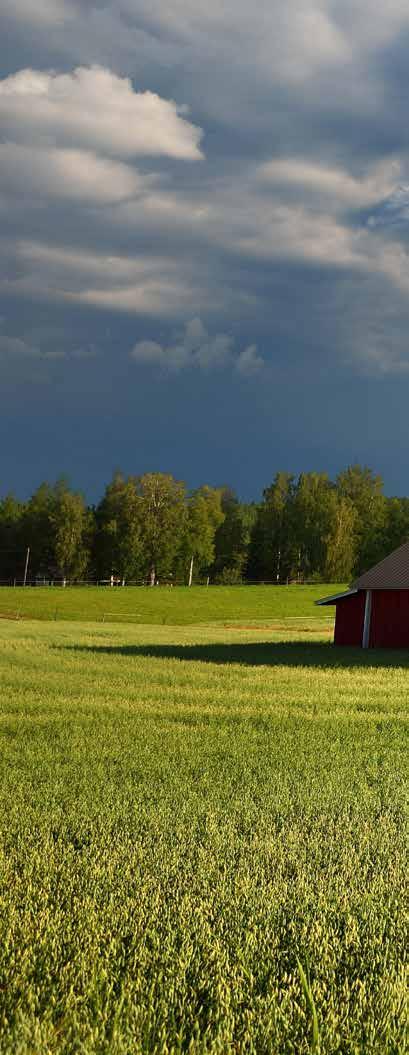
336, 597
392, 573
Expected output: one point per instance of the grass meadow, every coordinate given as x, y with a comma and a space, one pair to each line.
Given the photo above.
203, 837
167, 606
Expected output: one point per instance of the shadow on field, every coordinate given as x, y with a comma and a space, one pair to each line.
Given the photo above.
260, 653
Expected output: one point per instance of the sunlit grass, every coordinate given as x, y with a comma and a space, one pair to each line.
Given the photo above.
166, 605
203, 842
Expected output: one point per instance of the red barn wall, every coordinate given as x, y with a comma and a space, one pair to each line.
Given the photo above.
389, 619
349, 619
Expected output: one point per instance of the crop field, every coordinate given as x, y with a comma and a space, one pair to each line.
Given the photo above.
168, 605
202, 837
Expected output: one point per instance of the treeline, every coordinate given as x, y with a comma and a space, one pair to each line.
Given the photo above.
151, 529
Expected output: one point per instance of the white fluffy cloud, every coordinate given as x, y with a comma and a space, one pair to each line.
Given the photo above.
95, 109
39, 12
368, 26
74, 175
143, 285
195, 348
331, 182
248, 220
293, 37
69, 138
240, 47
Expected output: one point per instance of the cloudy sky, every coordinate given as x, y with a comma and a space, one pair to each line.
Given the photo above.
204, 218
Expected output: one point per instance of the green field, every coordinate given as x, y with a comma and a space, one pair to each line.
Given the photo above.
178, 606
203, 836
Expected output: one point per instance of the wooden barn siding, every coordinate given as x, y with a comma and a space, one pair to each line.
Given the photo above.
349, 620
389, 619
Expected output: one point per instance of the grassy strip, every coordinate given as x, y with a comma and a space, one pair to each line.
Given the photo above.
178, 606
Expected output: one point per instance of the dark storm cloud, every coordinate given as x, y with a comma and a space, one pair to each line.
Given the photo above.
242, 170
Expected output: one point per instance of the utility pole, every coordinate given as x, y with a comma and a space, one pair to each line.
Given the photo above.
26, 567
190, 572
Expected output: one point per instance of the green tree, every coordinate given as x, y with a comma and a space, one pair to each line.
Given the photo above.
397, 523
312, 518
57, 527
273, 548
341, 541
204, 516
12, 552
118, 541
232, 538
162, 521
365, 490
71, 523
38, 529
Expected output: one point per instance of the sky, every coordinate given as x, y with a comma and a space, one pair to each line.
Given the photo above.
204, 224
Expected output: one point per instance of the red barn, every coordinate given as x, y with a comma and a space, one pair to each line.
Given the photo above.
374, 612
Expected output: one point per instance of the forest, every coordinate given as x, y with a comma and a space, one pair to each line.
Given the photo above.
151, 529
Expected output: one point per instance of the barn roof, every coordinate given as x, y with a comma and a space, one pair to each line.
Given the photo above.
392, 573
337, 596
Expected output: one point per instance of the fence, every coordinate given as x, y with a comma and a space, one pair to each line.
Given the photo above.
43, 582
102, 583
